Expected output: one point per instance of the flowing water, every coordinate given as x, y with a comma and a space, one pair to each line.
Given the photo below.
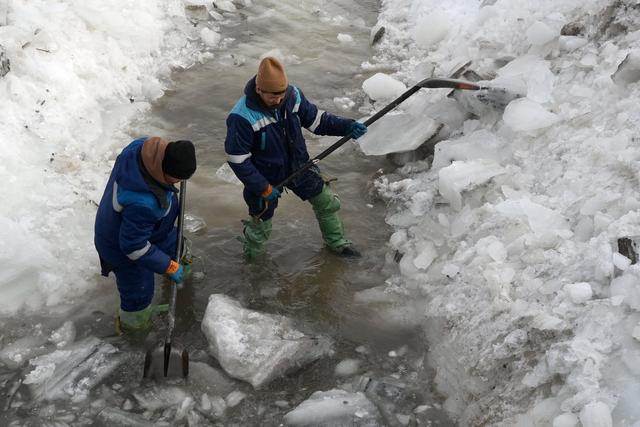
298, 277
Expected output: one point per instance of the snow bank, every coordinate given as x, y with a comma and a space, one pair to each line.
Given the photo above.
511, 231
78, 71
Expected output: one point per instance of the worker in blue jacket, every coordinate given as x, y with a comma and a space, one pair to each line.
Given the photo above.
265, 144
135, 233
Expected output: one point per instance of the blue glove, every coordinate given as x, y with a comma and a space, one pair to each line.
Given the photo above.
175, 271
270, 195
357, 129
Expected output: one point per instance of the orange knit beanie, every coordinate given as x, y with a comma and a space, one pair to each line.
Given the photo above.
271, 76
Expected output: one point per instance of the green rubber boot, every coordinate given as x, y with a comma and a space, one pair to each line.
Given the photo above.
137, 321
326, 206
255, 234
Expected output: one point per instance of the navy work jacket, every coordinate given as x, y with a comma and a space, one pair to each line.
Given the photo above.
264, 146
133, 217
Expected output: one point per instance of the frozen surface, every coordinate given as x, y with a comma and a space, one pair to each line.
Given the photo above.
335, 408
531, 314
71, 373
465, 175
257, 347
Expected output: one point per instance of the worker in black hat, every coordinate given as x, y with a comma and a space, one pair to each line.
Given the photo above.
134, 229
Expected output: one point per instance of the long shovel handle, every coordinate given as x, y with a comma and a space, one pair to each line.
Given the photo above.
430, 83
174, 286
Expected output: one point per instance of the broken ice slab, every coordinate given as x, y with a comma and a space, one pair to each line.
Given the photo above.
73, 372
335, 408
116, 417
398, 133
20, 351
159, 397
628, 71
465, 175
257, 347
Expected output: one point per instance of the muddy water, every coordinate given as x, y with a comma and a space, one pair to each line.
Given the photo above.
298, 277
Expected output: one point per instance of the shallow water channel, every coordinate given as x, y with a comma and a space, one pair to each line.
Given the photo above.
298, 277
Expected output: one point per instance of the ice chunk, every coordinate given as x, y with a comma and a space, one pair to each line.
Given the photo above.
629, 70
383, 87
540, 218
579, 292
491, 247
234, 398
156, 397
533, 72
465, 175
347, 367
73, 372
596, 414
540, 33
210, 37
64, 335
450, 270
598, 202
225, 173
565, 420
345, 38
335, 408
383, 136
344, 103
620, 261
628, 287
117, 417
426, 256
431, 29
256, 347
526, 115
571, 43
481, 144
20, 351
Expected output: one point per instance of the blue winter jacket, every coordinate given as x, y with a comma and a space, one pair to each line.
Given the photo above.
264, 146
132, 218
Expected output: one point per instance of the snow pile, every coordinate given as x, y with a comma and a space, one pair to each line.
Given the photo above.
257, 347
77, 72
510, 233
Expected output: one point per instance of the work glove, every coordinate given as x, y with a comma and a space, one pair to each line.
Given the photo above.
175, 271
357, 129
271, 194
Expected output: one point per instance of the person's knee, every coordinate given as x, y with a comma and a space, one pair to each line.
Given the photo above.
326, 202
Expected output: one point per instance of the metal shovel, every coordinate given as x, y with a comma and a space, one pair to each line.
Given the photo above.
175, 359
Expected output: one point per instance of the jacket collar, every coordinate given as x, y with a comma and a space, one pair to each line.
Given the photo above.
253, 99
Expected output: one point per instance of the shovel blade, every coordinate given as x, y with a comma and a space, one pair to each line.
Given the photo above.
166, 361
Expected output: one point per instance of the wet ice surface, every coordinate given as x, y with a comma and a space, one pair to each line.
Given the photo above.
79, 374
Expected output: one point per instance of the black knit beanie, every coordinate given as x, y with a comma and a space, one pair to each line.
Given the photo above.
179, 159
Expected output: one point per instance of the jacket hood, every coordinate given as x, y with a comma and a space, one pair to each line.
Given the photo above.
152, 154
